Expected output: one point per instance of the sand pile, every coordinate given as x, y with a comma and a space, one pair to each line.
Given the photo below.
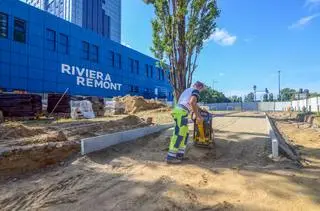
17, 130
54, 136
135, 104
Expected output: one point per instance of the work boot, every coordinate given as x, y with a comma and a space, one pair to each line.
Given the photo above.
181, 156
173, 160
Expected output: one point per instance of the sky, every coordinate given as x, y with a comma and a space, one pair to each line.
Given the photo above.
253, 41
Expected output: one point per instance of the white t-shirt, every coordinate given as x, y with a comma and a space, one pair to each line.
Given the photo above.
185, 97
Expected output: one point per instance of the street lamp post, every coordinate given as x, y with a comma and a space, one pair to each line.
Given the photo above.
279, 85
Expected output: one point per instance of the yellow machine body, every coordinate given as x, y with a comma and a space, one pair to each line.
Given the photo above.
203, 131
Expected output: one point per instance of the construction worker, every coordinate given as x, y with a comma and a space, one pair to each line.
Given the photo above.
187, 103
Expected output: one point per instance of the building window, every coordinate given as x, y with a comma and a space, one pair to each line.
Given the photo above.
3, 25
151, 71
159, 74
137, 66
147, 70
116, 60
51, 40
162, 74
19, 33
131, 63
85, 50
94, 53
109, 26
64, 43
119, 61
112, 58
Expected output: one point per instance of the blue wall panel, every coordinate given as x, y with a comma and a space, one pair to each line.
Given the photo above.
35, 85
4, 70
4, 45
5, 56
19, 83
49, 86
31, 66
19, 71
21, 59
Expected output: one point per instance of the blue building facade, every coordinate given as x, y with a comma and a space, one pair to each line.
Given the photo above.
41, 53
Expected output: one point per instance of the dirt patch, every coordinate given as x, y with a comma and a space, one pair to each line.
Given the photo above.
56, 136
17, 134
134, 176
159, 116
99, 128
134, 104
22, 160
15, 130
304, 137
309, 118
52, 143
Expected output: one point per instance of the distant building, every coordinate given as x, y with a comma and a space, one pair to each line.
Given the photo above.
100, 16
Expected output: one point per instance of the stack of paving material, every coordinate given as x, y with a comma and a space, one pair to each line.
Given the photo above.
20, 105
62, 108
97, 105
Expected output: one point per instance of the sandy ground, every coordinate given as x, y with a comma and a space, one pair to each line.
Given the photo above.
304, 136
237, 175
29, 146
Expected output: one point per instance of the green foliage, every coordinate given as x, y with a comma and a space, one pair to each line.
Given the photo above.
235, 99
180, 28
287, 94
249, 97
314, 94
271, 97
209, 95
265, 98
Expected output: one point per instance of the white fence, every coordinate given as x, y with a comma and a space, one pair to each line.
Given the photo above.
311, 104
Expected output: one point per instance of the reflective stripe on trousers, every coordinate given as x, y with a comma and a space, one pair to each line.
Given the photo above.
180, 135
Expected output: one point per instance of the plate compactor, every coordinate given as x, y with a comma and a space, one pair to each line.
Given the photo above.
203, 132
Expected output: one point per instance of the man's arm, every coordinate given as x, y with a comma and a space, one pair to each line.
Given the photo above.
193, 102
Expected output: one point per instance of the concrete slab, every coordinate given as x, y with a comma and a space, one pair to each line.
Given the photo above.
100, 142
273, 138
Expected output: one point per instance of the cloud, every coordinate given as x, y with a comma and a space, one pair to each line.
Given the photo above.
311, 4
249, 39
222, 37
304, 21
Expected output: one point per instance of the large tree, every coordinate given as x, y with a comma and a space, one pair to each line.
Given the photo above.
287, 94
249, 98
265, 97
271, 97
208, 95
180, 28
235, 99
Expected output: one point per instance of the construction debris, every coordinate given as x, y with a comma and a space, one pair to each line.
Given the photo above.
134, 104
63, 107
20, 105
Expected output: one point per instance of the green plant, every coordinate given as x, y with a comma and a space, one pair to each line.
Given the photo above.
180, 29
